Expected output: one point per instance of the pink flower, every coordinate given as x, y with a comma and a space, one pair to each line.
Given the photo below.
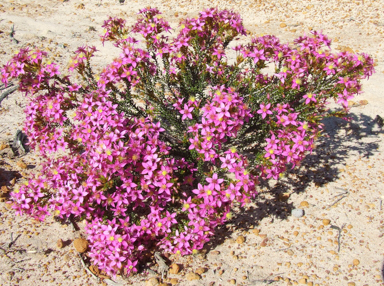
310, 97
214, 182
227, 161
264, 110
186, 112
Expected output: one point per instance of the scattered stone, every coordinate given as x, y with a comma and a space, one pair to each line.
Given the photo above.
67, 257
297, 213
264, 242
326, 221
345, 49
283, 25
174, 269
201, 270
256, 231
304, 204
303, 281
94, 269
3, 145
192, 276
232, 281
60, 244
81, 245
21, 164
8, 153
215, 252
174, 281
351, 284
240, 239
4, 191
221, 271
363, 102
9, 205
289, 252
152, 282
284, 197
356, 262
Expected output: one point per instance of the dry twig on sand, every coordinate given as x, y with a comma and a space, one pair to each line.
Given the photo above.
87, 269
342, 195
12, 34
7, 92
338, 239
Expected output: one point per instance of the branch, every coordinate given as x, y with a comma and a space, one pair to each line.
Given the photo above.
8, 92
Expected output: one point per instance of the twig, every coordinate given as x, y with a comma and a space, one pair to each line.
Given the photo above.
282, 249
338, 239
343, 194
2, 86
337, 201
112, 283
10, 244
23, 260
8, 92
87, 269
12, 33
31, 251
163, 267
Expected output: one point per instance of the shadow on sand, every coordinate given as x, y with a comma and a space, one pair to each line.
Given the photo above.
341, 139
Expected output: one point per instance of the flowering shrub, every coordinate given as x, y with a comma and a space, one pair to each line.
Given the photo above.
161, 145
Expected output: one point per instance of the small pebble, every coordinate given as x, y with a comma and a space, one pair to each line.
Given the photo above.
215, 252
264, 242
297, 213
193, 276
81, 244
304, 204
302, 281
60, 244
21, 164
232, 281
256, 231
326, 221
200, 270
174, 268
356, 262
284, 197
152, 282
240, 239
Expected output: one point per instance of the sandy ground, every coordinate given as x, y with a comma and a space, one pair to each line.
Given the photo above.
339, 240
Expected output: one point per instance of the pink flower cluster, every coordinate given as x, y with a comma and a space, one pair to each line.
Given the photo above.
162, 161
